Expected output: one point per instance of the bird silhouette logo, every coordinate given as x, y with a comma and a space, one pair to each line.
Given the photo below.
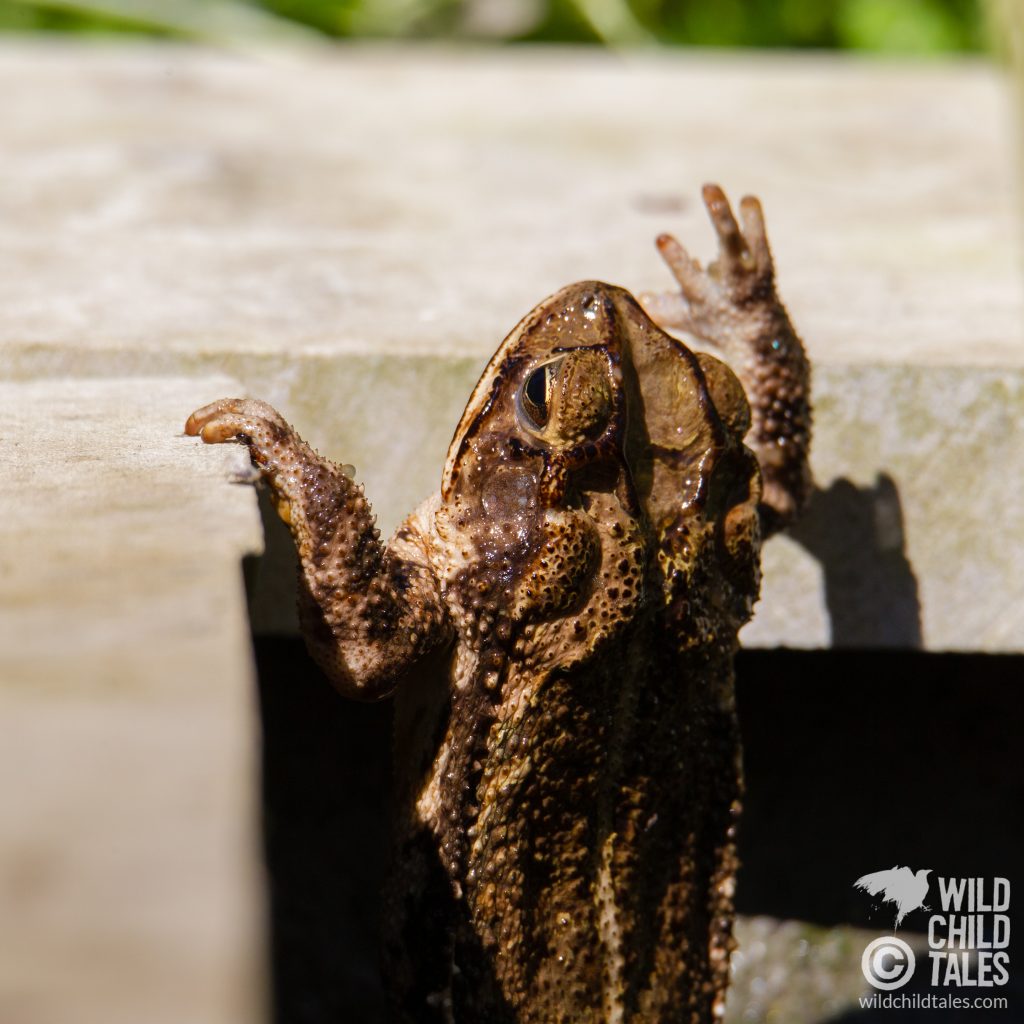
904, 888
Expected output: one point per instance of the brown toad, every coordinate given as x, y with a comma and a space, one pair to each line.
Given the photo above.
559, 624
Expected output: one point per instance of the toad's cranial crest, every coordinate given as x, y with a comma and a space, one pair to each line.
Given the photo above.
558, 624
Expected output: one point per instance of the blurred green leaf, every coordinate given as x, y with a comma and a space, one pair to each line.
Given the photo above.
906, 26
910, 26
211, 20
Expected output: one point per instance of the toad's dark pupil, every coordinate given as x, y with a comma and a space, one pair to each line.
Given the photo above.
535, 395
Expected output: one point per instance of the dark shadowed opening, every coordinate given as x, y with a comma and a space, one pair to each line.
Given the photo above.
855, 761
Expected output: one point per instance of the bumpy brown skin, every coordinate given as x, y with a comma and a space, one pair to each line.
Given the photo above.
560, 622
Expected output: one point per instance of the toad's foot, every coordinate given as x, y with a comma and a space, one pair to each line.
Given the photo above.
732, 306
368, 613
274, 447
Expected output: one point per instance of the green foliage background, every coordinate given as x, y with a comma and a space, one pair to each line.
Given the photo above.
903, 26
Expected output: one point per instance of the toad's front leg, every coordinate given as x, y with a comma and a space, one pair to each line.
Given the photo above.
368, 612
732, 306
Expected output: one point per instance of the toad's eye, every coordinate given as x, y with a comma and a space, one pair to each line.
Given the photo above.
535, 396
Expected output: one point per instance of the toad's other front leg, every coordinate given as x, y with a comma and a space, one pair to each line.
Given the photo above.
368, 612
732, 306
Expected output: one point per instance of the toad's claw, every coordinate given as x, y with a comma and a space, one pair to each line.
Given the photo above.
740, 253
693, 281
195, 424
741, 273
232, 419
756, 235
732, 246
731, 306
274, 448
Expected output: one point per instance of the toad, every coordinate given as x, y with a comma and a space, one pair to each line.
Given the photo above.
558, 624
